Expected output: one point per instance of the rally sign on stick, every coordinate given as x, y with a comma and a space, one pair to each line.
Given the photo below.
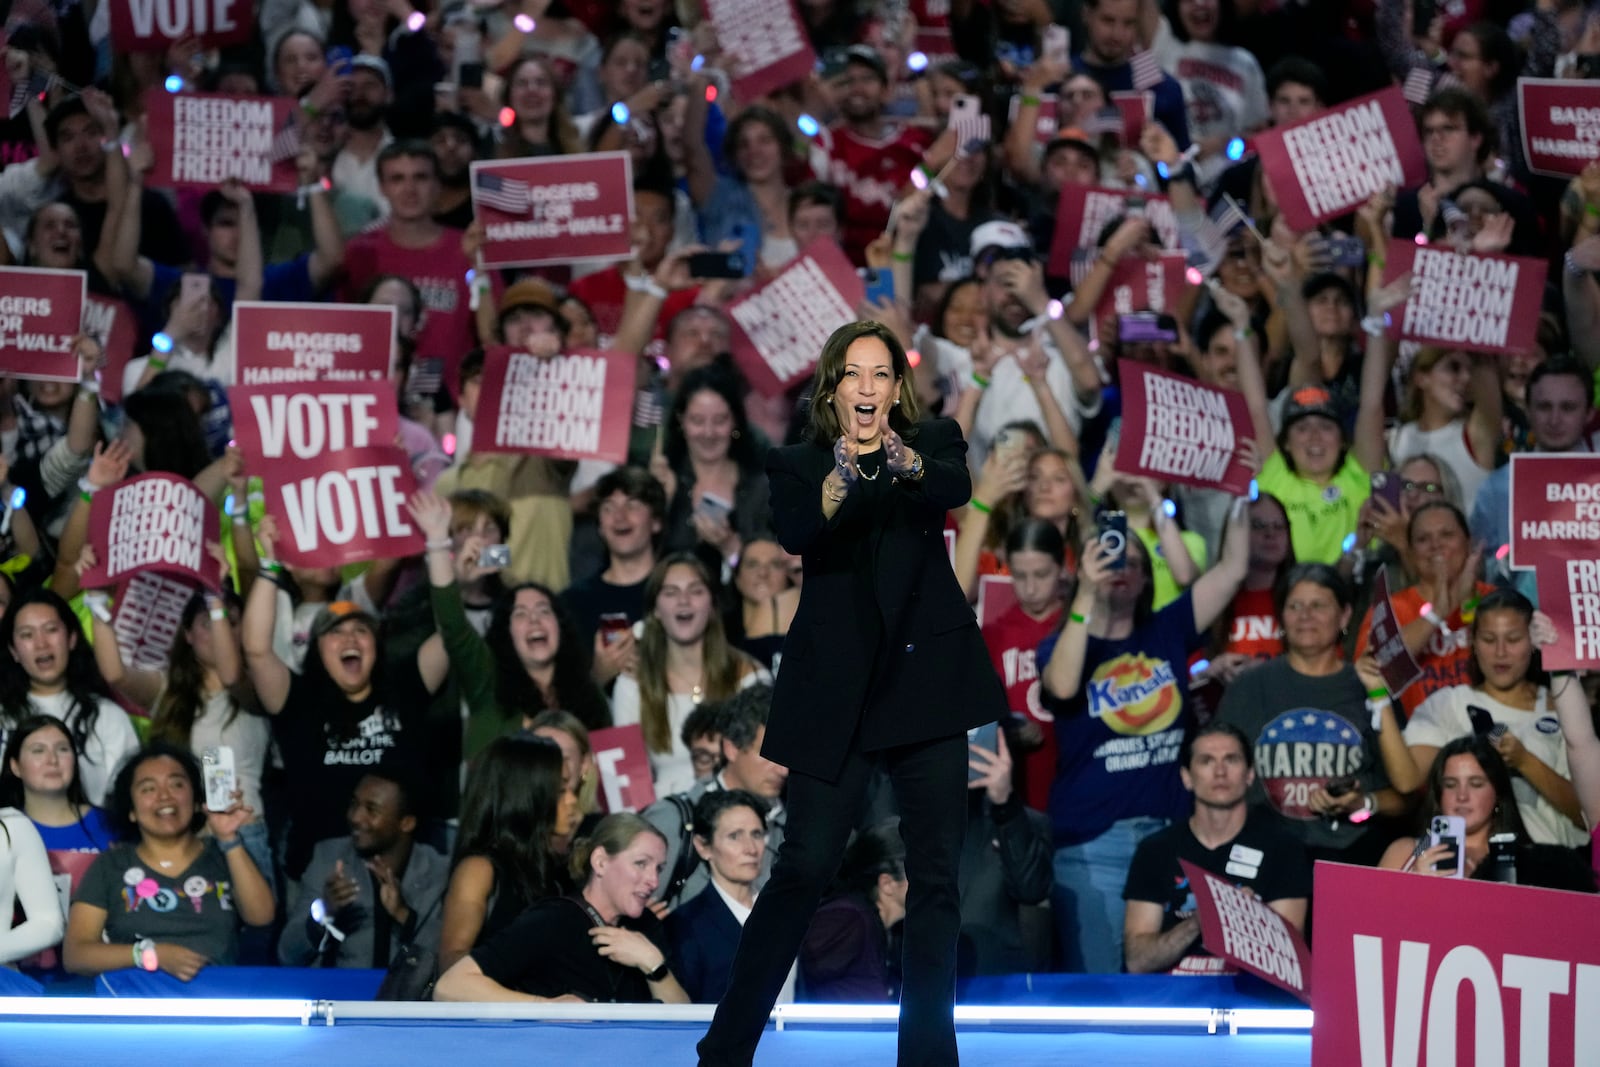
202, 139
624, 766
1395, 662
1555, 527
335, 481
312, 342
157, 25
1175, 429
1473, 301
779, 329
1139, 284
767, 44
559, 209
1238, 927
1560, 123
578, 405
148, 616
1329, 165
1084, 211
41, 311
157, 523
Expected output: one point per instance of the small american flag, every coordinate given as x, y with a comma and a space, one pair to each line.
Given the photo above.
1418, 85
972, 132
1083, 260
1146, 71
1107, 120
1454, 218
1208, 243
286, 145
508, 195
21, 92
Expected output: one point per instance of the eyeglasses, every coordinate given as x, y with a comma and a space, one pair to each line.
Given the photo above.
1432, 488
1269, 527
703, 759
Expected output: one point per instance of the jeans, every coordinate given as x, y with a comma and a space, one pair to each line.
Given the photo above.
258, 843
1087, 899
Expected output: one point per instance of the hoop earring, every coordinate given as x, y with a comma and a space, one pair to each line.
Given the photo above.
735, 435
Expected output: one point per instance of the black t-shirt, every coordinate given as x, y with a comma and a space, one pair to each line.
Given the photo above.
1261, 857
547, 952
594, 597
328, 743
160, 236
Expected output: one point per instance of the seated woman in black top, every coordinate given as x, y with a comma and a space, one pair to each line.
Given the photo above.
600, 945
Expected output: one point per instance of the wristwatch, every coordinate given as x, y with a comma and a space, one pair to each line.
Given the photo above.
659, 973
915, 473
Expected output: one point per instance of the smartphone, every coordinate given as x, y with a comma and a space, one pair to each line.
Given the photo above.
193, 289
964, 104
613, 624
1114, 536
494, 556
1450, 830
1388, 485
986, 736
471, 75
1482, 721
1055, 44
1010, 439
717, 265
1134, 206
714, 507
879, 284
220, 777
1146, 328
1345, 250
340, 61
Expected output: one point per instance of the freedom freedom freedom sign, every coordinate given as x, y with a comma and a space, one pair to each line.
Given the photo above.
1555, 532
578, 405
1175, 429
1473, 301
200, 140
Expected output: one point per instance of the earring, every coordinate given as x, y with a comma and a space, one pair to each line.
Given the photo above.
735, 435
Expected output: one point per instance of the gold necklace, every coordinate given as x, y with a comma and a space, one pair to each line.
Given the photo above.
869, 477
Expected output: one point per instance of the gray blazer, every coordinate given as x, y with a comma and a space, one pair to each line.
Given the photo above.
426, 877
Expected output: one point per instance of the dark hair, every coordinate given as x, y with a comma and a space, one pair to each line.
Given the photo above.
516, 693
614, 833
480, 502
712, 379
759, 116
12, 792
1563, 365
33, 225
1210, 323
942, 308
120, 807
742, 716
562, 135
1037, 535
824, 425
1458, 103
173, 715
83, 680
174, 441
723, 665
406, 786
1437, 505
1498, 48
1317, 574
701, 722
341, 715
635, 483
709, 808
1226, 19
1216, 728
1508, 816
814, 192
277, 54
56, 116
1505, 600
876, 850
1298, 71
410, 148
509, 814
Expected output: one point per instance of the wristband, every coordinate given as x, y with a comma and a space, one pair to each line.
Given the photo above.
644, 284
442, 545
90, 386
658, 974
1241, 333
1469, 611
229, 846
979, 380
311, 110
1378, 694
144, 955
1432, 616
1374, 325
980, 507
1080, 619
1571, 266
1029, 100
99, 604
1375, 260
158, 364
1375, 710
87, 489
1592, 210
900, 257
269, 566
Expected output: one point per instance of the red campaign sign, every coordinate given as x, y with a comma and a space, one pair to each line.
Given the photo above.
1236, 926
1396, 952
1139, 284
147, 618
1175, 429
156, 25
155, 523
1388, 648
41, 311
767, 44
1555, 524
335, 481
1329, 165
111, 322
201, 140
1136, 108
578, 405
559, 209
1560, 123
624, 765
1477, 302
780, 327
1084, 211
997, 594
278, 343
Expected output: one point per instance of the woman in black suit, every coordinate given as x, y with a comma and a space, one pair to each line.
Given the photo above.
883, 662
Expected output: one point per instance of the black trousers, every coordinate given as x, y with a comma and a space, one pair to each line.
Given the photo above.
930, 785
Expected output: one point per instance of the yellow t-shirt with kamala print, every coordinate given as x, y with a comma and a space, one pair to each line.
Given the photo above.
1320, 517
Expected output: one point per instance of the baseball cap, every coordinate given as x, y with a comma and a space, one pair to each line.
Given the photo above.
1000, 234
1073, 137
375, 64
867, 56
1309, 400
341, 611
533, 294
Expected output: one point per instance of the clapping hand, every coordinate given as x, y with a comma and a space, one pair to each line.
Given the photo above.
845, 450
897, 455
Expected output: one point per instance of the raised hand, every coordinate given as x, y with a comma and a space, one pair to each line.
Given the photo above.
224, 825
844, 458
110, 464
431, 513
897, 455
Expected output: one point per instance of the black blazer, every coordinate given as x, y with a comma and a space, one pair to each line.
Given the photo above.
931, 676
704, 936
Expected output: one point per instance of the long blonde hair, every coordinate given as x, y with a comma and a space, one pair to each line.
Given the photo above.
722, 665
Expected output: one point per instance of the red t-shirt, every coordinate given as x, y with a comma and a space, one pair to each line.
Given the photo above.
868, 174
1255, 632
1443, 660
439, 271
605, 292
1012, 641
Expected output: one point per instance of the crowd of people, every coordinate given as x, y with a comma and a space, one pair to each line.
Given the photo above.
1188, 672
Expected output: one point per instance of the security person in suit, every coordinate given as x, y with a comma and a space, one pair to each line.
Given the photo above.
883, 664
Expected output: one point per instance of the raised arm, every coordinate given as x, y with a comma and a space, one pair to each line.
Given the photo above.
1214, 590
108, 467
1368, 446
1488, 407
140, 686
1583, 747
327, 253
1252, 383
270, 675
1063, 675
431, 513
